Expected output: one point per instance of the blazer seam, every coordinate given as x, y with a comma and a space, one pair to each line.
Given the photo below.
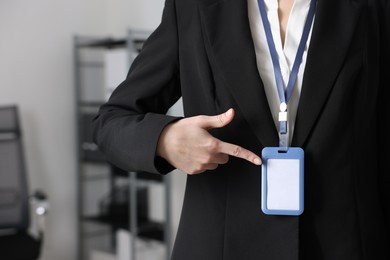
355, 186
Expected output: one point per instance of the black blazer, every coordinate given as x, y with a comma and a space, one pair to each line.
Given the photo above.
203, 51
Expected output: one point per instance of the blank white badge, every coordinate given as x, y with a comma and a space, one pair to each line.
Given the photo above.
282, 182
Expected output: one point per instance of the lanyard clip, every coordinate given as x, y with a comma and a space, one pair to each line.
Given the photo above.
283, 118
283, 131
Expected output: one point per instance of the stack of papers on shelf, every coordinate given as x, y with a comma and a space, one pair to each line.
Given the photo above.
116, 66
145, 250
99, 255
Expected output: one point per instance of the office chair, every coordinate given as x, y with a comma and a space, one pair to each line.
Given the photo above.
16, 243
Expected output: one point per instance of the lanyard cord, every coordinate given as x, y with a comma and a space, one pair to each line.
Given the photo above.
284, 96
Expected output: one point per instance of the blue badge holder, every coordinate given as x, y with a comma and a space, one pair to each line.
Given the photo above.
294, 155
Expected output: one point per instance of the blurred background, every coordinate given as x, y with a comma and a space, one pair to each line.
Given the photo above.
44, 45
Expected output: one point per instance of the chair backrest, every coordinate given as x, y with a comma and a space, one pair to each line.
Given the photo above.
14, 205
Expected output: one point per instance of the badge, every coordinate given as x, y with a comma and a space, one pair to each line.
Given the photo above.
282, 175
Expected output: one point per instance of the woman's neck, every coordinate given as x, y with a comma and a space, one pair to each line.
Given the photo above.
284, 11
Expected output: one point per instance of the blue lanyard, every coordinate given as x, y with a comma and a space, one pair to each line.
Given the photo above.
284, 96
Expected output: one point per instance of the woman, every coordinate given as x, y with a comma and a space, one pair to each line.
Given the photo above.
216, 55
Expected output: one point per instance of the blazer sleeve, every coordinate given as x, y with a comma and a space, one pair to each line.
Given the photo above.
384, 111
128, 126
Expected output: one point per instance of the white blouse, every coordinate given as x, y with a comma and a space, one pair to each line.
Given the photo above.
286, 55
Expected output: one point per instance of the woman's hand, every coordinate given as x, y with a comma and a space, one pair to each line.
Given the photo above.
187, 145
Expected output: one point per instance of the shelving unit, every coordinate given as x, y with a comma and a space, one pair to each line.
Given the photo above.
109, 198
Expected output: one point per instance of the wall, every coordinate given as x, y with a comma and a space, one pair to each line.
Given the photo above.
137, 14
36, 72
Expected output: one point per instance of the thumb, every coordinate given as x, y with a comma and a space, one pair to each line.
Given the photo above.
218, 121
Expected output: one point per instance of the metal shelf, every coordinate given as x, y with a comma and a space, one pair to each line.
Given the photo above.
92, 167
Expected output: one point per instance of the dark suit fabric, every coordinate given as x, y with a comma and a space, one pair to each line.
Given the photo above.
203, 51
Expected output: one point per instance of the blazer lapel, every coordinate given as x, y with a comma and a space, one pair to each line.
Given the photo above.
230, 48
329, 45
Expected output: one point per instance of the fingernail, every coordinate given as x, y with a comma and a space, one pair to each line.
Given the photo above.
229, 112
257, 161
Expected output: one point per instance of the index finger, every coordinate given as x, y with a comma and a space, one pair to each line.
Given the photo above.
239, 152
